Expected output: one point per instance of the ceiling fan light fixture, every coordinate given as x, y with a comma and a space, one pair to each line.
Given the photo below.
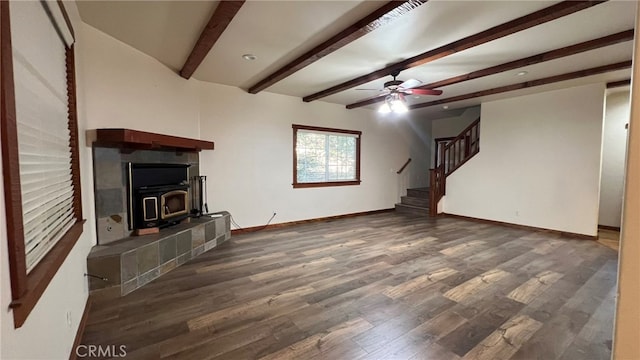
398, 106
384, 108
394, 103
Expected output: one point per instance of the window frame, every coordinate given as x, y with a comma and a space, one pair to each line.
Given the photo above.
26, 289
297, 184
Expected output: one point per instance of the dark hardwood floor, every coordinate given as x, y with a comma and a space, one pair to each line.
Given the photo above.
384, 286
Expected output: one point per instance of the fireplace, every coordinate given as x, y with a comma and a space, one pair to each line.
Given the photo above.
158, 195
141, 184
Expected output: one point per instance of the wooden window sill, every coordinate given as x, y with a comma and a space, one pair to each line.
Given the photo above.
326, 184
40, 277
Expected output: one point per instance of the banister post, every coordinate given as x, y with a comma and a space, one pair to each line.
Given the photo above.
433, 189
467, 145
443, 160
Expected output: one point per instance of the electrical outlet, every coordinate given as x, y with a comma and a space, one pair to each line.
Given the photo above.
69, 318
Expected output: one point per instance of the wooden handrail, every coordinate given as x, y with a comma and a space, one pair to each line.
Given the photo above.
461, 148
461, 136
403, 166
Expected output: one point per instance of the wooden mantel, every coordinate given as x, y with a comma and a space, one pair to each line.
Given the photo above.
146, 140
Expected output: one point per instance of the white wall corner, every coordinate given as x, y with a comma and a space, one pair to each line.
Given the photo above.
539, 162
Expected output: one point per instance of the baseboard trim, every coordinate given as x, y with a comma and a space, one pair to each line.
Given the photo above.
80, 332
299, 222
524, 227
607, 227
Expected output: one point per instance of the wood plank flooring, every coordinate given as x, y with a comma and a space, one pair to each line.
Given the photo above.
385, 286
610, 238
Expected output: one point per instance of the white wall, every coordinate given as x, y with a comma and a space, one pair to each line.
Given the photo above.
614, 146
128, 89
250, 171
451, 126
46, 334
417, 133
539, 162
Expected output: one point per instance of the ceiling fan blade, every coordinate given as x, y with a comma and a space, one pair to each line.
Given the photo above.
411, 83
423, 92
383, 92
369, 100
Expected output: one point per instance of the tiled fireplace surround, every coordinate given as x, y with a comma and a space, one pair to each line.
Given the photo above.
121, 263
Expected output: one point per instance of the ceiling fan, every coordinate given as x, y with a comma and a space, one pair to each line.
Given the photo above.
395, 90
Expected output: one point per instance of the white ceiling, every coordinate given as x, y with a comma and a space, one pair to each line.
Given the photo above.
279, 31
165, 30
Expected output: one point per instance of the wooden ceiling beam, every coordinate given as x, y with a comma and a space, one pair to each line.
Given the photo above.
221, 18
544, 81
615, 84
522, 23
378, 18
609, 40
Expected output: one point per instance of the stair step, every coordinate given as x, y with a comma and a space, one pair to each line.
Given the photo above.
410, 209
418, 192
415, 201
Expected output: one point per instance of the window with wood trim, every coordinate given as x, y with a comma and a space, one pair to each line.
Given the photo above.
39, 137
325, 156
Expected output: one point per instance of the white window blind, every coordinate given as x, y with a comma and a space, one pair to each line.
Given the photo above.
325, 156
43, 133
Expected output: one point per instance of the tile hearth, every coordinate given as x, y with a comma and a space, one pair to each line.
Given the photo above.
132, 262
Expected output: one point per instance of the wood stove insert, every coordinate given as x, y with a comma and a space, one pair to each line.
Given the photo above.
158, 195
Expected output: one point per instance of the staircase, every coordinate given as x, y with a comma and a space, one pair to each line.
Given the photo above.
453, 155
416, 202
424, 201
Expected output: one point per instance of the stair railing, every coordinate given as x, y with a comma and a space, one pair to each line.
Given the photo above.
403, 166
453, 155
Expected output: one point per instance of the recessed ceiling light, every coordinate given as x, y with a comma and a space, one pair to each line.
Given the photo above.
445, 107
522, 73
249, 57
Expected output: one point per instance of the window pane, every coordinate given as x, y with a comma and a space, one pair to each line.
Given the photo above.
325, 157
